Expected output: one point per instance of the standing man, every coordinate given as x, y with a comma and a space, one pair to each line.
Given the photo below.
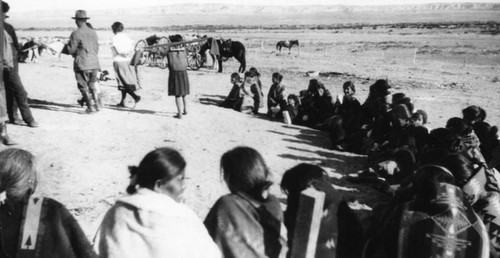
83, 46
16, 95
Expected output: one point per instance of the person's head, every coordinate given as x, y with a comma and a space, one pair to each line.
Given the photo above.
245, 171
250, 78
349, 88
5, 9
235, 78
80, 17
380, 88
277, 77
117, 27
460, 166
254, 71
175, 38
18, 174
444, 138
419, 118
162, 171
300, 177
401, 115
473, 114
293, 99
458, 126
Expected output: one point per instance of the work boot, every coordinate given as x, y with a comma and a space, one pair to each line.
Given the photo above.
5, 138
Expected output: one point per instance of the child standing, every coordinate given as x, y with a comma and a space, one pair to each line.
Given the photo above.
276, 98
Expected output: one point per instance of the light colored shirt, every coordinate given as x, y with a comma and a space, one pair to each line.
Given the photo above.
122, 47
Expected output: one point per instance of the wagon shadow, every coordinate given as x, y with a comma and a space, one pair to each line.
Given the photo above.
214, 100
140, 111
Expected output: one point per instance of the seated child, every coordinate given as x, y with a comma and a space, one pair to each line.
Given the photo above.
419, 118
293, 107
276, 98
233, 98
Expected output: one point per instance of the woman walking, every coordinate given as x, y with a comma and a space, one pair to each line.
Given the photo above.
123, 48
178, 82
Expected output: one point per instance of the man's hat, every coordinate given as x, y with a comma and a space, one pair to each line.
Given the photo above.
5, 8
80, 14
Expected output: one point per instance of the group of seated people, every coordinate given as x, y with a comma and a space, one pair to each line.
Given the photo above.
151, 220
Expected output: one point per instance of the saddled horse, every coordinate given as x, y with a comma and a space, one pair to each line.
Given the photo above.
227, 49
287, 43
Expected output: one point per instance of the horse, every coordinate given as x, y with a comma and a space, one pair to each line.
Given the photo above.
287, 43
227, 49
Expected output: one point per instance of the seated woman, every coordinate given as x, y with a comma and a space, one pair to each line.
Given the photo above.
344, 125
293, 107
249, 93
317, 105
339, 225
151, 221
468, 139
256, 90
248, 221
276, 98
34, 226
233, 98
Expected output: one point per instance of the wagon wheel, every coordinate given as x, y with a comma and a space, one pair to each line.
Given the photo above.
162, 61
140, 44
195, 61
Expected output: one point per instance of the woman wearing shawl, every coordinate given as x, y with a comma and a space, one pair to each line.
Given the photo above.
248, 222
151, 220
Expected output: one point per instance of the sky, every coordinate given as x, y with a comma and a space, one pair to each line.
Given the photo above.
30, 5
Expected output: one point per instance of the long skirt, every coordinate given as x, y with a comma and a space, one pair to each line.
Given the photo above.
125, 76
178, 83
3, 104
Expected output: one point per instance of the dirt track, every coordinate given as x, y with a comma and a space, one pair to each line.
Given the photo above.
85, 157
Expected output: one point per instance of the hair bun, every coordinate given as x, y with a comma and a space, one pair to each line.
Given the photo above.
134, 170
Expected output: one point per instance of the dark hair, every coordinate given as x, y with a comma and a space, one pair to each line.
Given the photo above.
460, 166
426, 184
380, 88
236, 76
18, 175
175, 38
349, 85
117, 27
444, 138
89, 25
278, 76
244, 170
254, 71
300, 177
421, 113
161, 164
5, 7
459, 126
473, 114
293, 97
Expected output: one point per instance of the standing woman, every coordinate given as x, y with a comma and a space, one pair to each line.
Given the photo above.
31, 225
248, 222
151, 221
178, 82
123, 48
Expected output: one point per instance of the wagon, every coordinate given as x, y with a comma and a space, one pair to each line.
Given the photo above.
155, 51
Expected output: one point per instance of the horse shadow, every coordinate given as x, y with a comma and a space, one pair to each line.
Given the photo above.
53, 106
140, 111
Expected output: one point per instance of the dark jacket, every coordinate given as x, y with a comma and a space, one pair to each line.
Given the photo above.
59, 234
83, 45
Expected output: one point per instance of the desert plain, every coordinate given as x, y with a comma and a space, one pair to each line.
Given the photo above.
84, 158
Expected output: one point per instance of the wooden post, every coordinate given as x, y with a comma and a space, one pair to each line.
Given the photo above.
262, 46
309, 214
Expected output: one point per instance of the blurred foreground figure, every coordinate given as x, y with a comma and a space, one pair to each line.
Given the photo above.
34, 226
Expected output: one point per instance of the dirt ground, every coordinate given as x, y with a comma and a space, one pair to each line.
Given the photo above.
84, 158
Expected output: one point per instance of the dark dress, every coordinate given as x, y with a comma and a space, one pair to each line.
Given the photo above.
178, 82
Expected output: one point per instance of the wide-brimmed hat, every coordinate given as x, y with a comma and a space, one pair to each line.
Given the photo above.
80, 14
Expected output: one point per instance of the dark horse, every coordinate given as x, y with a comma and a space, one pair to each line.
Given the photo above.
227, 49
287, 43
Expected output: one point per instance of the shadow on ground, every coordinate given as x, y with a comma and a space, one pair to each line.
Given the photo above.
53, 106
